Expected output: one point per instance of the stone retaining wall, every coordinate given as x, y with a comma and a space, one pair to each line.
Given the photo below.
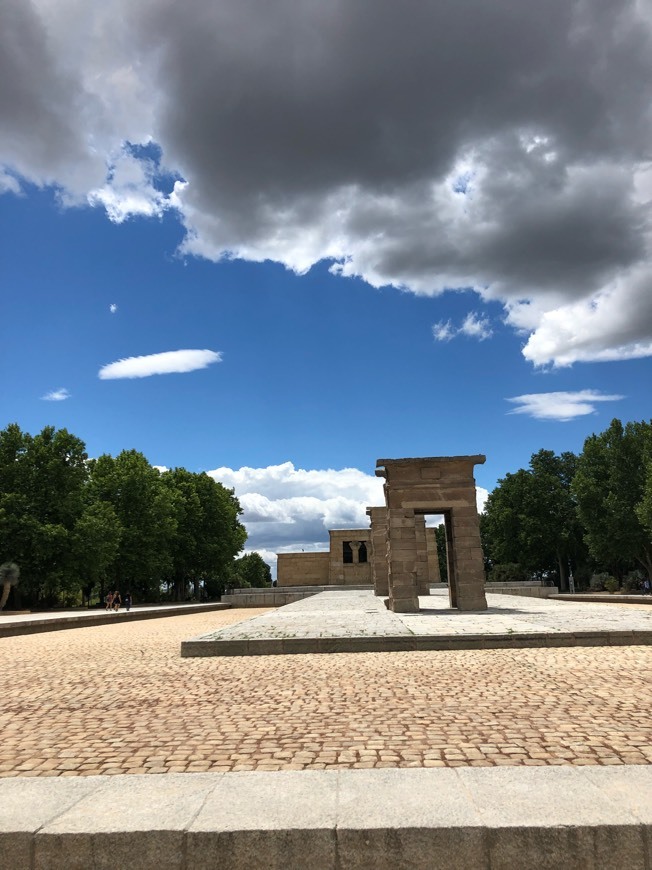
530, 818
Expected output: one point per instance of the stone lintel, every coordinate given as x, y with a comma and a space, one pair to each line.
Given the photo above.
478, 459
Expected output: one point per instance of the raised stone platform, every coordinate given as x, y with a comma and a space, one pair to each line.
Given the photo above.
12, 624
480, 818
279, 596
359, 622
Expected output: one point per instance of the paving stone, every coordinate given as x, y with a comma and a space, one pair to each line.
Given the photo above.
158, 711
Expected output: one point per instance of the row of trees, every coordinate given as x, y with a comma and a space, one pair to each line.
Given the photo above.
75, 524
590, 513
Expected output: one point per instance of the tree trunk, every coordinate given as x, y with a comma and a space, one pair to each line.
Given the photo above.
645, 560
5, 594
563, 580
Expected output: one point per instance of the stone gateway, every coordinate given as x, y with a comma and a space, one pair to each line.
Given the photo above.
398, 554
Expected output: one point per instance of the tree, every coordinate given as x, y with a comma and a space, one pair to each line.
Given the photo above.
96, 544
144, 509
208, 531
42, 479
252, 570
531, 520
440, 538
610, 486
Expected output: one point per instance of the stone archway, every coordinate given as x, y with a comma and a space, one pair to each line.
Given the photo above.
433, 485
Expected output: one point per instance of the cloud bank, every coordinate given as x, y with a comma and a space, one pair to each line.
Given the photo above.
560, 406
428, 145
289, 509
170, 362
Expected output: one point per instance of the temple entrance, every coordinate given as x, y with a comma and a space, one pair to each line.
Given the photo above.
434, 485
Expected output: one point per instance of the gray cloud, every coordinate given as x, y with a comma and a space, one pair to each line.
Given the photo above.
429, 145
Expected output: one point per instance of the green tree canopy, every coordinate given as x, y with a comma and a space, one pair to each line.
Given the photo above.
144, 509
531, 520
208, 533
252, 570
611, 490
42, 479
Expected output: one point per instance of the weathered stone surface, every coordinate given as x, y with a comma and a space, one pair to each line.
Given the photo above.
505, 818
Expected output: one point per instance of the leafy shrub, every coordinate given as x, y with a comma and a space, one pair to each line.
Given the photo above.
633, 582
510, 572
611, 584
597, 582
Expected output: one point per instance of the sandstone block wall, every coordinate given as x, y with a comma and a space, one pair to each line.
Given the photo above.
353, 573
303, 569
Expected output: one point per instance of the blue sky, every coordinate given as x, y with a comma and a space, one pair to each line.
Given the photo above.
357, 300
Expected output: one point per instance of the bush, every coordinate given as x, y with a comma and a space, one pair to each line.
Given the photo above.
611, 584
510, 572
633, 582
597, 582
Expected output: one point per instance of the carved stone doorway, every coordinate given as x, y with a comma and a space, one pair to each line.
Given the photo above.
432, 485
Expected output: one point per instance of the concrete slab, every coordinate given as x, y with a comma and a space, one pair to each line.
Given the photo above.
25, 806
288, 817
127, 822
383, 819
358, 621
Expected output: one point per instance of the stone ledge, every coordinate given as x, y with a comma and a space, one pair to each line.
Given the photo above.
197, 647
480, 818
101, 617
600, 598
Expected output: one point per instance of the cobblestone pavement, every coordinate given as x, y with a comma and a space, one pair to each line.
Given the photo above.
119, 699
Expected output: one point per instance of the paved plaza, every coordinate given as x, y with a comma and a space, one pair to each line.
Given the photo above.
117, 699
353, 621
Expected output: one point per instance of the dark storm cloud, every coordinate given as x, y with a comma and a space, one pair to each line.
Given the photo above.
429, 145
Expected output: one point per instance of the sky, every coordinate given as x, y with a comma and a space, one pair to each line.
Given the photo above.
277, 242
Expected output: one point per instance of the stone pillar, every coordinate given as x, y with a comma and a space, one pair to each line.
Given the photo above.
434, 575
450, 561
378, 548
423, 580
355, 549
468, 559
401, 561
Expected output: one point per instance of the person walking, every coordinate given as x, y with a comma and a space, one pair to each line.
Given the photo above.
127, 601
109, 601
117, 601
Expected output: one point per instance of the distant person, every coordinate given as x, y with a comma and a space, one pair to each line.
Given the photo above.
109, 600
117, 601
127, 601
647, 586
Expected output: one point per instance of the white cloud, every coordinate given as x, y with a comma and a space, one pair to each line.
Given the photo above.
8, 184
129, 190
59, 395
443, 330
170, 362
476, 326
113, 308
288, 509
560, 406
523, 173
473, 326
293, 508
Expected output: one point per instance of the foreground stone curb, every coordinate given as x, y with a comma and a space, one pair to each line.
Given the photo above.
101, 617
484, 819
310, 645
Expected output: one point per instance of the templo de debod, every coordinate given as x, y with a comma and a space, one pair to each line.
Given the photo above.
398, 553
